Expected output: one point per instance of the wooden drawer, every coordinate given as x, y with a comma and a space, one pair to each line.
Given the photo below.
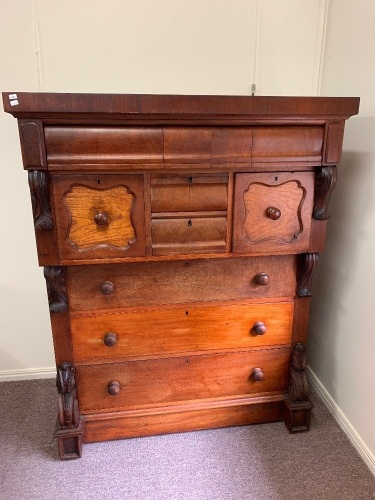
172, 330
152, 283
272, 212
99, 216
189, 193
159, 382
189, 235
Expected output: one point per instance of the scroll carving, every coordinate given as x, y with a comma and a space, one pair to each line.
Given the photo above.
306, 266
325, 181
298, 387
38, 182
56, 289
68, 413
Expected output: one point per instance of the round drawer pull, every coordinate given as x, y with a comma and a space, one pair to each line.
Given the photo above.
114, 388
110, 339
273, 213
101, 218
259, 328
262, 279
257, 374
107, 287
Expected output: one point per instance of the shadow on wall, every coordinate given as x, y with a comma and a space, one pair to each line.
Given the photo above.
342, 270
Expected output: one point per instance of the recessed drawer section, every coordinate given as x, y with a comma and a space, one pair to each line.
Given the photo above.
169, 330
188, 235
197, 280
189, 193
160, 382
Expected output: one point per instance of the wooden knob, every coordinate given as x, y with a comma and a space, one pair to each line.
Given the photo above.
107, 287
114, 388
273, 213
101, 218
257, 374
262, 279
259, 328
110, 339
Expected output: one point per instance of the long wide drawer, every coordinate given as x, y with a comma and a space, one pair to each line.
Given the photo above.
153, 283
175, 330
163, 381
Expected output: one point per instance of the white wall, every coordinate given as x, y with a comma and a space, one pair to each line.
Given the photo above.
342, 336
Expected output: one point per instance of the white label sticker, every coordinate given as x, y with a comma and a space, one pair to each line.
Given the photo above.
14, 103
12, 96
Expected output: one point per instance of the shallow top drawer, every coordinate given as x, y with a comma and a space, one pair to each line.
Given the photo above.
103, 145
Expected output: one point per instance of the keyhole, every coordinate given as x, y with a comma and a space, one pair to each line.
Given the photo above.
190, 179
276, 178
189, 223
187, 313
98, 181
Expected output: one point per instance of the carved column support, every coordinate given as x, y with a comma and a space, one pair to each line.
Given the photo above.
306, 266
297, 410
56, 288
325, 181
40, 199
69, 426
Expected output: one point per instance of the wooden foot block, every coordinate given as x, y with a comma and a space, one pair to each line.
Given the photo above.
297, 415
69, 441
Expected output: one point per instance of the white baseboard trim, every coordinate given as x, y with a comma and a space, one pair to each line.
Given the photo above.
27, 374
341, 419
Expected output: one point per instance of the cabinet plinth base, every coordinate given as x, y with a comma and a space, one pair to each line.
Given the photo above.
69, 440
297, 415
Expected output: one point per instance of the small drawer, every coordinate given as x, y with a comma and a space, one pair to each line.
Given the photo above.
99, 216
168, 331
187, 235
158, 382
189, 193
272, 212
180, 281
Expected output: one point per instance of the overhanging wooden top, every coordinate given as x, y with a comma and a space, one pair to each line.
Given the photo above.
145, 108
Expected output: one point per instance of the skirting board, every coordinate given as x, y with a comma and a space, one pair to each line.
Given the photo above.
27, 374
341, 419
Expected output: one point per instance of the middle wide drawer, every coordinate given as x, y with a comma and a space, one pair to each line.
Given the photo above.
171, 330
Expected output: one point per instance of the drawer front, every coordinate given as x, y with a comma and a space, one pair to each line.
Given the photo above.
272, 212
189, 193
99, 216
153, 283
164, 381
173, 330
188, 235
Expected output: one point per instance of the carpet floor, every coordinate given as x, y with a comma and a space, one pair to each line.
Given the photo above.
260, 462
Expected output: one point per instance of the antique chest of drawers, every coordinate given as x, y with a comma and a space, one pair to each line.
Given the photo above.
178, 235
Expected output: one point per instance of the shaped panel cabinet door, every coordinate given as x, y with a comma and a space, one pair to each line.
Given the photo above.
99, 216
272, 212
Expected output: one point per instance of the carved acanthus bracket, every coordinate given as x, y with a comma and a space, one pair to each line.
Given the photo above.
68, 412
306, 266
38, 182
298, 388
325, 181
56, 289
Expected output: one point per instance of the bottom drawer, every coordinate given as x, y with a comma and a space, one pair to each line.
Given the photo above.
194, 378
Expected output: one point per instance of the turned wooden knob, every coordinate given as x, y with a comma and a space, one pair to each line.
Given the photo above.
101, 218
110, 339
262, 279
273, 213
107, 287
257, 374
114, 388
259, 328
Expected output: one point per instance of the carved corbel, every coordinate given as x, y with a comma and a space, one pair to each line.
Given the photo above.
56, 289
69, 427
40, 200
325, 181
306, 266
297, 405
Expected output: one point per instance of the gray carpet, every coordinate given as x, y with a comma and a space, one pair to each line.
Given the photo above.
260, 462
